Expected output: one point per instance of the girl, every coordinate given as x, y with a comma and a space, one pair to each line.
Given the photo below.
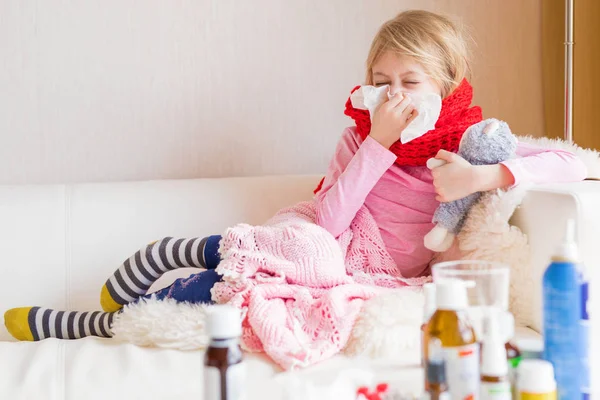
418, 52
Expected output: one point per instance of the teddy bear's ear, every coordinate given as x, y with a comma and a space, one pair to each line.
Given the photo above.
491, 127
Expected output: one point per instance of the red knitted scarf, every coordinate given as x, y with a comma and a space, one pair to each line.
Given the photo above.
456, 116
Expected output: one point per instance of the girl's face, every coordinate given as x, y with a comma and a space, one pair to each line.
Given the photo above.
403, 75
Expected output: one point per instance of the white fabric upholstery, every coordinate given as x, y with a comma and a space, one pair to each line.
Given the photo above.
60, 243
543, 217
94, 368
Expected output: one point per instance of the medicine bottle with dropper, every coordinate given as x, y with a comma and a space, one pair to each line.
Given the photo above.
450, 324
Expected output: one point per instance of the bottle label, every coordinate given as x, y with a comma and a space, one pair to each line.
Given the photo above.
495, 391
561, 325
584, 340
462, 369
234, 383
537, 396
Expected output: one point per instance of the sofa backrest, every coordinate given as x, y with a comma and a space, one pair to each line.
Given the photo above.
60, 243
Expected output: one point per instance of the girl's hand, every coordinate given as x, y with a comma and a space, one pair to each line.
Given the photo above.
457, 178
391, 118
454, 179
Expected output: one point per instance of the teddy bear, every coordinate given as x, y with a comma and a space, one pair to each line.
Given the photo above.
484, 143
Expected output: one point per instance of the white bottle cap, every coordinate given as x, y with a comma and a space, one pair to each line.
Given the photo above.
451, 294
429, 304
536, 376
224, 322
493, 357
568, 251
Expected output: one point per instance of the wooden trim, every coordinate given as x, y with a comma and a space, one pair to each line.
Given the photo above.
586, 87
586, 71
553, 65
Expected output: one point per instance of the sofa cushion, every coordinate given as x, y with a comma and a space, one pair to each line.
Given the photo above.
94, 368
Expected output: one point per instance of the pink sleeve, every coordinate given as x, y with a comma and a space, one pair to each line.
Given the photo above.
353, 172
538, 165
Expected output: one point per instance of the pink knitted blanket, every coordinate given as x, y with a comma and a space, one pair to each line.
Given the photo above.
299, 288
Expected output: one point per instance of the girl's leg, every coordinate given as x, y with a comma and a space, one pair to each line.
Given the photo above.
135, 276
194, 289
35, 323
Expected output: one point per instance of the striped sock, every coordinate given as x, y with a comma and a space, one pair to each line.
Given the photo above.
35, 323
135, 276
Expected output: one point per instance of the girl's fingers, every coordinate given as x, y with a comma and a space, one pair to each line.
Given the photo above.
401, 107
411, 113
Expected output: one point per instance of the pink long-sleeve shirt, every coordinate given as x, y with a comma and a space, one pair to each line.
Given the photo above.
402, 199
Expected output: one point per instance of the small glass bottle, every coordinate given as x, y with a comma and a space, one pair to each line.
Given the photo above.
450, 324
224, 369
513, 354
435, 372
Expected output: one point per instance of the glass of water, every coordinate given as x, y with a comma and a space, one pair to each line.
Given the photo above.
487, 285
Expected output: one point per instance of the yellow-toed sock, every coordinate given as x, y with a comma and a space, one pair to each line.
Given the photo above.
107, 302
35, 323
16, 321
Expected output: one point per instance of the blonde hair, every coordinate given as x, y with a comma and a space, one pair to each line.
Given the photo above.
430, 39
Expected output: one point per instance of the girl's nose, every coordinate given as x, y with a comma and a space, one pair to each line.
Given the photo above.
395, 88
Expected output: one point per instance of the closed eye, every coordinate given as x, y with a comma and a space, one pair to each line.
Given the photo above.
381, 84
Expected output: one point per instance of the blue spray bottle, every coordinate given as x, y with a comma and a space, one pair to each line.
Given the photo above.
562, 314
584, 335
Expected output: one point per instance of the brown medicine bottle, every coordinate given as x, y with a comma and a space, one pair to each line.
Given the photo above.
452, 327
224, 369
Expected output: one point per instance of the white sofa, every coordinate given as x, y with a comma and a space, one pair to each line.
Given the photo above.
59, 244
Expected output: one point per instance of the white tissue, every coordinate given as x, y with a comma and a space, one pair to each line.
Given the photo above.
429, 106
369, 97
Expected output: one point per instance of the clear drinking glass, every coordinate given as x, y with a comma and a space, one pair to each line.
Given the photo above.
487, 289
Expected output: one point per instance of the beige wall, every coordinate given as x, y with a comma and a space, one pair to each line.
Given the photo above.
128, 89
